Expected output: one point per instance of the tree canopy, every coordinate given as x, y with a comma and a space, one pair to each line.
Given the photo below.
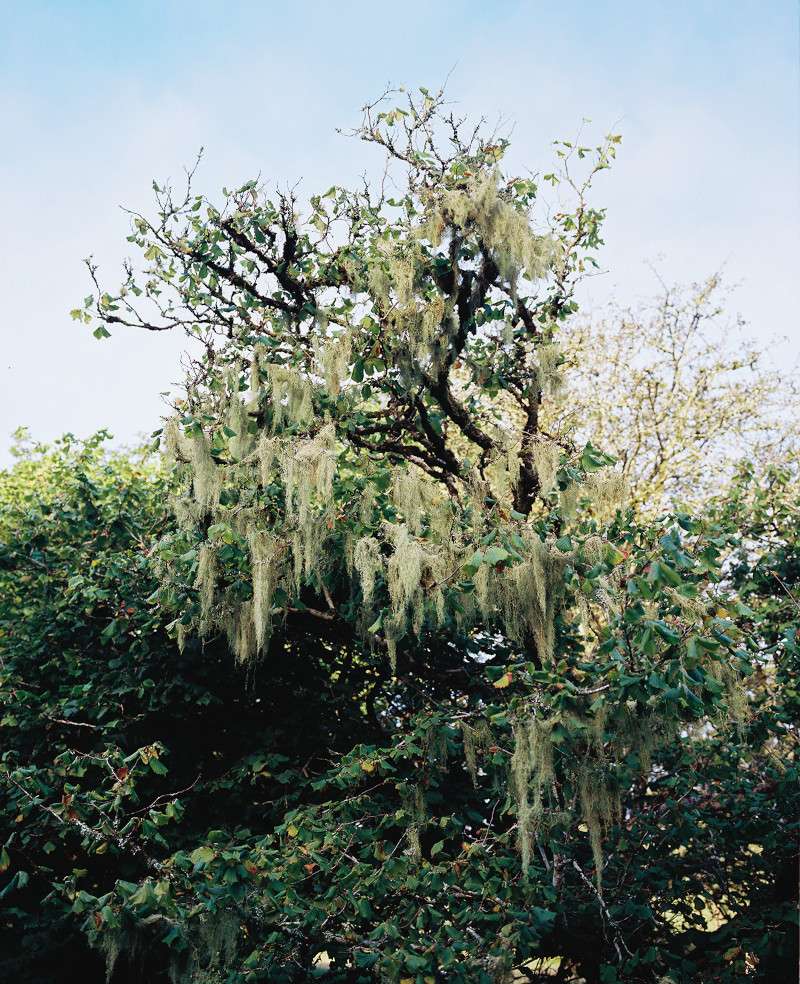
374, 674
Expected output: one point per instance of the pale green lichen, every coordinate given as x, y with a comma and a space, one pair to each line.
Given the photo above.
265, 553
606, 490
546, 459
308, 470
414, 572
205, 582
333, 358
504, 228
292, 397
549, 376
521, 767
241, 633
368, 563
528, 594
206, 474
240, 442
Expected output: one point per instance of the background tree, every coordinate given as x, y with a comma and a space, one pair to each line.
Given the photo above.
676, 391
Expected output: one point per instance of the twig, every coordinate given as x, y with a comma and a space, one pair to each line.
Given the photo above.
618, 937
73, 724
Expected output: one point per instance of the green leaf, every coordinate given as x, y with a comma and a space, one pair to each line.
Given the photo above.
667, 634
496, 555
593, 460
202, 855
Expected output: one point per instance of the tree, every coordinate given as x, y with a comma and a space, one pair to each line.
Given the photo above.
678, 394
474, 682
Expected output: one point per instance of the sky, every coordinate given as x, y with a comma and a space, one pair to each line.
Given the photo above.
99, 98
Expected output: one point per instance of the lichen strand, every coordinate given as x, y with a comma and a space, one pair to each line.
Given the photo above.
534, 777
549, 375
546, 459
206, 474
521, 767
291, 397
308, 468
206, 582
368, 563
414, 495
187, 515
475, 739
265, 554
504, 228
415, 313
600, 807
268, 451
414, 574
333, 359
568, 500
241, 442
606, 490
529, 593
241, 632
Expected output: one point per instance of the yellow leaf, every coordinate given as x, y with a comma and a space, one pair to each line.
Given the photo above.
368, 766
504, 681
291, 830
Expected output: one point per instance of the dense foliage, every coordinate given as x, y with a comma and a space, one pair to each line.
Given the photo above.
480, 720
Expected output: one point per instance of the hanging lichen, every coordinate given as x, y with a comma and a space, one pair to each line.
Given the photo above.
308, 470
415, 808
411, 494
241, 633
600, 806
546, 459
240, 440
413, 575
503, 227
368, 563
171, 439
333, 359
606, 490
265, 552
308, 550
268, 453
475, 739
529, 593
256, 360
187, 513
205, 583
548, 370
520, 782
292, 400
206, 474
568, 500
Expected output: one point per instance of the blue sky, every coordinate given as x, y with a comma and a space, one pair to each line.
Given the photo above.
99, 98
